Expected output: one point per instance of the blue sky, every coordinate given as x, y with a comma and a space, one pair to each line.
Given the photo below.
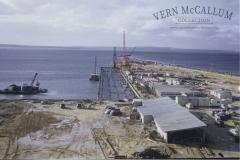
102, 22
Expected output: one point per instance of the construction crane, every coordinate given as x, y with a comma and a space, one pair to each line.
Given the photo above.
125, 62
128, 55
34, 78
131, 52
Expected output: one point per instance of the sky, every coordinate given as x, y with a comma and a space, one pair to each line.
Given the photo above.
102, 22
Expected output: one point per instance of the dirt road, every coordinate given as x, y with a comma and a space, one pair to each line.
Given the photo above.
36, 131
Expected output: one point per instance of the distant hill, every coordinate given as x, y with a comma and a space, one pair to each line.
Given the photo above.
9, 45
171, 49
129, 49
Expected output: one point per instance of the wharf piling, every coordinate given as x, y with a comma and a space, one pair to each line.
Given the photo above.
112, 85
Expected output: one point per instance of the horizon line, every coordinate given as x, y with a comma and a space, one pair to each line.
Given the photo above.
115, 46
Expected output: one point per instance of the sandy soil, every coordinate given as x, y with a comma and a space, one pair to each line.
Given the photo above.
37, 131
222, 81
33, 131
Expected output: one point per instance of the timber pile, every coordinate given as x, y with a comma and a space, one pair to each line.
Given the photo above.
169, 151
195, 151
104, 143
1, 121
199, 153
148, 153
154, 152
206, 151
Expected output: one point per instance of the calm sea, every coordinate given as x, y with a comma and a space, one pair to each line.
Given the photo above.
65, 71
216, 61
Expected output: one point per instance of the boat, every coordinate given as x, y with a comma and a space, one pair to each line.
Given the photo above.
94, 76
24, 89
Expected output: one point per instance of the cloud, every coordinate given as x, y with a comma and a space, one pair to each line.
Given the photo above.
9, 3
102, 22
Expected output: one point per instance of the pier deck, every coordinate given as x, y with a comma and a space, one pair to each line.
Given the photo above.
112, 86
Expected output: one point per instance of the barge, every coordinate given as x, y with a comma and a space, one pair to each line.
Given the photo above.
24, 89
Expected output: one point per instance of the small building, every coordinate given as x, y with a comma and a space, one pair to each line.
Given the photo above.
195, 101
226, 101
169, 74
203, 102
137, 102
149, 73
220, 94
215, 102
183, 100
146, 79
174, 90
141, 72
173, 81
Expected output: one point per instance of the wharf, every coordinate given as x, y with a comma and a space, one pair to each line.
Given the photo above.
112, 85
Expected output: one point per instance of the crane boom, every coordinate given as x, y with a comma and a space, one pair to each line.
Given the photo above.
131, 52
34, 78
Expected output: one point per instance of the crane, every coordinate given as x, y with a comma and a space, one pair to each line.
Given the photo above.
128, 55
131, 52
125, 62
34, 78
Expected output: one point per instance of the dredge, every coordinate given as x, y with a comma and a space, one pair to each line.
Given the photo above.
24, 89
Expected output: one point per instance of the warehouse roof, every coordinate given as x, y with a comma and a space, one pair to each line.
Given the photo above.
220, 91
187, 97
175, 89
168, 115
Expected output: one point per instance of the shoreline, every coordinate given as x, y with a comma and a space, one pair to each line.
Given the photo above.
213, 80
180, 66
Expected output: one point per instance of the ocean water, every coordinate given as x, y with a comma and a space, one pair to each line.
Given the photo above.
216, 61
65, 71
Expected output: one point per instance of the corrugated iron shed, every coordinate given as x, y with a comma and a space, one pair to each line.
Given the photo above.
175, 89
168, 115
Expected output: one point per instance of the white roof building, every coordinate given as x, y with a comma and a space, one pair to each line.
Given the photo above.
221, 94
168, 116
175, 90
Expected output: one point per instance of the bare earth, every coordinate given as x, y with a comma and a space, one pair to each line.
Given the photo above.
33, 131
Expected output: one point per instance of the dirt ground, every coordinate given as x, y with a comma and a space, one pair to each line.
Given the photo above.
228, 82
37, 131
47, 131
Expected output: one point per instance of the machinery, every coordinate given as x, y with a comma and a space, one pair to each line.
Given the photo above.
125, 63
24, 89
